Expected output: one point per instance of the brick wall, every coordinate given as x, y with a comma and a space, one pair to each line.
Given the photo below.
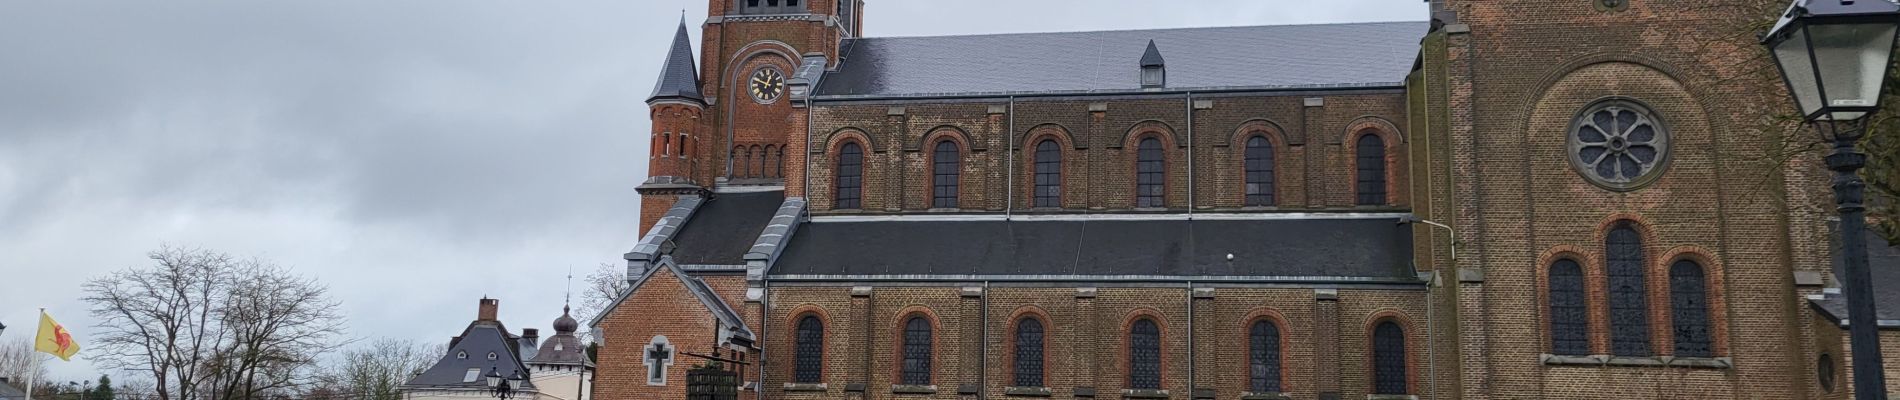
661, 306
1313, 153
1086, 337
1514, 81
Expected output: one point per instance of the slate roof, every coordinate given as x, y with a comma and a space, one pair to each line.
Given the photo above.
724, 228
478, 340
1884, 261
679, 78
1296, 250
727, 317
1279, 56
8, 392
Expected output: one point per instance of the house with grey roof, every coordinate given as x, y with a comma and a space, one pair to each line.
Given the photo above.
483, 348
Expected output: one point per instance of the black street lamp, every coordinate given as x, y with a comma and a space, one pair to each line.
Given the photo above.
503, 389
1834, 58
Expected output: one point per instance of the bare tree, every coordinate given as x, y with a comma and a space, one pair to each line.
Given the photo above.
606, 283
376, 371
16, 361
208, 326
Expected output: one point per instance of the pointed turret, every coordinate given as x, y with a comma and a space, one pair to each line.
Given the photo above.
1152, 57
1154, 70
679, 77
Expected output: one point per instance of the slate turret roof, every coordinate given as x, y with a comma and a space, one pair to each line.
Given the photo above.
466, 363
562, 348
1356, 55
679, 77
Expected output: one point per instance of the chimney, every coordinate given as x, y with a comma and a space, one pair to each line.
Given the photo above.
532, 336
488, 309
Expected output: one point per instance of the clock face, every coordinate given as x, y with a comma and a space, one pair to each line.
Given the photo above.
767, 84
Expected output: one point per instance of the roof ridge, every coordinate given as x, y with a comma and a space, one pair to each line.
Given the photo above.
1185, 28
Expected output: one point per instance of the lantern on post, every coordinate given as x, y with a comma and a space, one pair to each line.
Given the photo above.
1834, 56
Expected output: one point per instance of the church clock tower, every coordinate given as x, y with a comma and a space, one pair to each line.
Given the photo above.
737, 120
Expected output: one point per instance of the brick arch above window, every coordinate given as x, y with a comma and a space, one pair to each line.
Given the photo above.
1713, 277
951, 172
938, 133
1031, 156
1061, 133
1170, 138
794, 325
1633, 291
1593, 286
1279, 321
1016, 318
898, 325
1257, 127
1127, 344
1413, 342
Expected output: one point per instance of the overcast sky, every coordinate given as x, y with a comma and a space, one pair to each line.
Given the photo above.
412, 155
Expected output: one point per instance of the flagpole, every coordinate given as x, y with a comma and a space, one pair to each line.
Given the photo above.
33, 373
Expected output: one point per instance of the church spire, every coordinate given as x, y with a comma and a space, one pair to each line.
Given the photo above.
679, 77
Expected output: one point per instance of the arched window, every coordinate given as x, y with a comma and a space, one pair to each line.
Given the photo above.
1263, 357
808, 364
1029, 352
916, 351
1144, 355
1259, 167
1689, 309
946, 173
666, 144
778, 167
768, 168
1629, 310
1371, 163
682, 146
1150, 171
1048, 174
1388, 357
850, 179
1569, 314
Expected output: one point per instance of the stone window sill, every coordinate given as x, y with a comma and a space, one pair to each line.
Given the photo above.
1027, 391
1263, 396
1662, 361
1144, 394
1391, 397
806, 387
914, 389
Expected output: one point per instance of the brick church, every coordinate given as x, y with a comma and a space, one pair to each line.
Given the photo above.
1502, 199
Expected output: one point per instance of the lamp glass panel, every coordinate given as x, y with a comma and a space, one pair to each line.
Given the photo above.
1852, 59
1791, 54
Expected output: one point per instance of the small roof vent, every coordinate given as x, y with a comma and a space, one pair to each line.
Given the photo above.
1154, 70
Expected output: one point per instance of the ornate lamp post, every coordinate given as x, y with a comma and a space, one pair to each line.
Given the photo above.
503, 388
1834, 58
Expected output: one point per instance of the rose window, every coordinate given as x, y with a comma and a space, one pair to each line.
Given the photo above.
1618, 144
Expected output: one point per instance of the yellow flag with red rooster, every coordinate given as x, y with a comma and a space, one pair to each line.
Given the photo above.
54, 339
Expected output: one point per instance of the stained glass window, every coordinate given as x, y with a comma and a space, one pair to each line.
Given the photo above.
916, 351
1029, 353
1144, 355
808, 363
1263, 357
850, 176
945, 176
1629, 309
1569, 313
1149, 174
1259, 170
1689, 309
1371, 166
1048, 174
1388, 357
